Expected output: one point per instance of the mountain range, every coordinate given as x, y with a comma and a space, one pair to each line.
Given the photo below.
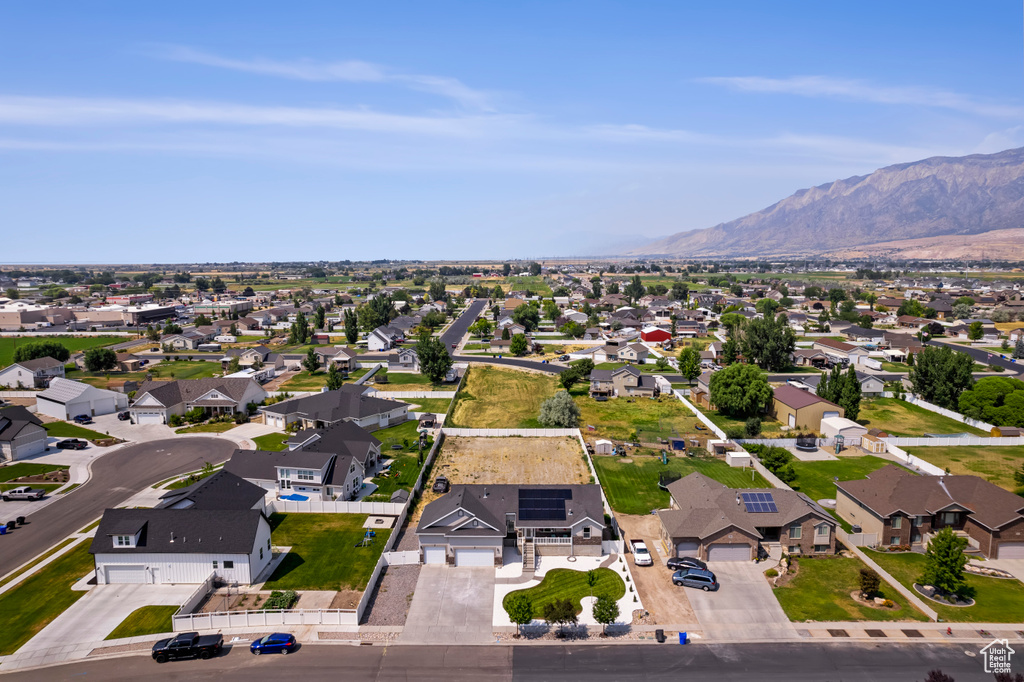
943, 200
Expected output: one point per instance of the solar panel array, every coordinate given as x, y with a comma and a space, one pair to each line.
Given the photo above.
543, 505
759, 503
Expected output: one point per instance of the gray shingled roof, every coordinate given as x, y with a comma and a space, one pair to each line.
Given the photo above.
178, 531
223, 490
185, 390
261, 465
348, 402
39, 364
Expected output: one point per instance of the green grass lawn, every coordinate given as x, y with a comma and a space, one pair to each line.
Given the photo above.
435, 405
632, 488
769, 426
216, 427
900, 418
997, 600
821, 592
69, 430
72, 343
39, 559
324, 555
9, 473
191, 479
36, 601
405, 466
39, 486
995, 463
816, 479
148, 620
272, 441
895, 366
397, 435
565, 583
166, 370
617, 418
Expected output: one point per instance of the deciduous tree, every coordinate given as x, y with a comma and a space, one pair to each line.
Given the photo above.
519, 608
605, 611
561, 411
940, 375
689, 363
433, 356
519, 346
740, 390
312, 361
944, 563
41, 349
100, 359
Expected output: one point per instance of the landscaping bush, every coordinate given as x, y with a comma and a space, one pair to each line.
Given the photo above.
280, 600
753, 427
771, 573
869, 582
195, 415
175, 420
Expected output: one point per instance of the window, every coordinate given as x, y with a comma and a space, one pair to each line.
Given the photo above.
268, 543
215, 565
918, 521
821, 549
821, 531
894, 540
261, 552
586, 532
229, 564
897, 522
122, 541
949, 518
795, 532
794, 549
304, 475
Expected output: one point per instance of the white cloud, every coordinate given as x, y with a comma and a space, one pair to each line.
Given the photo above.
352, 71
863, 91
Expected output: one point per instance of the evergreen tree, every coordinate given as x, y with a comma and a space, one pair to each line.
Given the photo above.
1018, 350
351, 326
849, 399
334, 380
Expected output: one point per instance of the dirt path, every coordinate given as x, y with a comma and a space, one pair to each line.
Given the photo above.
667, 604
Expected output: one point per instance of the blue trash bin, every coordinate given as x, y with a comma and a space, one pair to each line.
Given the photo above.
3, 530
682, 638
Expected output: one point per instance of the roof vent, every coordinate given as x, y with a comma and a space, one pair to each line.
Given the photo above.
172, 536
737, 498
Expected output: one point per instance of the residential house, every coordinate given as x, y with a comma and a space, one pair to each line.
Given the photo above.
343, 357
809, 357
592, 334
188, 339
67, 399
21, 434
351, 402
897, 507
384, 338
221, 490
799, 409
343, 439
623, 381
841, 353
713, 522
307, 473
943, 309
471, 524
860, 334
35, 373
156, 401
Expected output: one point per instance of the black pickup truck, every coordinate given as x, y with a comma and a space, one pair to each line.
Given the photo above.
188, 645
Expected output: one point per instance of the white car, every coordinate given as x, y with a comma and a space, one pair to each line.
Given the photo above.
641, 556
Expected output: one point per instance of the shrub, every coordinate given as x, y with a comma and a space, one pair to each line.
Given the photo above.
869, 582
175, 420
753, 427
771, 573
280, 600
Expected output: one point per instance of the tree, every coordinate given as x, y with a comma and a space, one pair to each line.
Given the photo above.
939, 676
752, 427
377, 312
334, 380
506, 270
519, 346
689, 363
202, 284
100, 359
202, 320
1018, 350
351, 326
234, 365
849, 398
944, 563
870, 581
769, 342
498, 293
534, 269
585, 367
433, 356
152, 333
830, 387
680, 291
171, 328
319, 317
312, 361
481, 327
573, 329
961, 312
526, 315
997, 400
836, 296
635, 290
560, 612
437, 290
975, 331
767, 307
560, 411
940, 375
871, 297
218, 285
740, 390
41, 349
605, 611
505, 334
730, 351
613, 288
569, 378
519, 608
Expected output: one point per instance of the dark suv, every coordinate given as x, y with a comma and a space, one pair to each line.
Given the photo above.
695, 577
676, 563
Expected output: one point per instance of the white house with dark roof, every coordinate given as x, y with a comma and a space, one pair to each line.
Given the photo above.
21, 434
349, 403
66, 399
35, 373
156, 401
321, 475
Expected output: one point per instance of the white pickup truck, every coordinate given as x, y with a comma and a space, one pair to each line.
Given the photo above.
641, 556
23, 493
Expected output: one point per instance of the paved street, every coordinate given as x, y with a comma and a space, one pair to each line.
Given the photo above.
115, 477
451, 604
783, 662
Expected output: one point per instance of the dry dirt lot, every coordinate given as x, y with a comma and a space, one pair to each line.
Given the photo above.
667, 604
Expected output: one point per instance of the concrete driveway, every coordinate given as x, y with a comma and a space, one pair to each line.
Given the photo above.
125, 430
1014, 567
743, 607
451, 606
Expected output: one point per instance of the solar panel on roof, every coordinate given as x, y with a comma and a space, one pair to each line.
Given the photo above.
543, 505
759, 503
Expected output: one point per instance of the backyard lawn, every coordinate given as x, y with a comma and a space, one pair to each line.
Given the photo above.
148, 620
816, 479
69, 430
632, 487
167, 370
998, 600
769, 426
434, 405
995, 463
618, 418
36, 601
821, 592
900, 418
403, 381
493, 397
397, 435
272, 442
565, 583
72, 343
324, 554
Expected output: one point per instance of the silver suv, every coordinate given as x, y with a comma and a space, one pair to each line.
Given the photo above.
695, 577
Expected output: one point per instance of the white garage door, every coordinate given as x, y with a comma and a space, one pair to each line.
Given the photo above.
474, 557
103, 406
729, 553
433, 555
32, 448
1011, 550
127, 574
830, 413
688, 549
149, 418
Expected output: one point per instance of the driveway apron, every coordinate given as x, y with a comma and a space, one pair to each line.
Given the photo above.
451, 606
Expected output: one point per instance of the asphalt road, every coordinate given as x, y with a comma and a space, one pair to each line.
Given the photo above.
820, 662
115, 478
460, 326
982, 356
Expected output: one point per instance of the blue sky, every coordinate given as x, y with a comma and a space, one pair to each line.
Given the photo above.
157, 132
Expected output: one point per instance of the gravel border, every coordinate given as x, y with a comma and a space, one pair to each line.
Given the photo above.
391, 597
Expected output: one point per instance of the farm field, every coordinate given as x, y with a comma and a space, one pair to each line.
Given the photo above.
72, 343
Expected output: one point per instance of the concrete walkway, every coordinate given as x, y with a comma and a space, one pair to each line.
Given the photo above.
911, 596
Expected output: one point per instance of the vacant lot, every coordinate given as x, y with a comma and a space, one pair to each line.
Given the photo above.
167, 370
900, 418
72, 343
493, 397
994, 463
618, 419
531, 461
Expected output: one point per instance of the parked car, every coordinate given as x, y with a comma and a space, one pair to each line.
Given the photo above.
154, 350
72, 444
123, 416
82, 419
276, 643
188, 645
641, 555
676, 563
695, 577
23, 493
564, 358
455, 345
440, 485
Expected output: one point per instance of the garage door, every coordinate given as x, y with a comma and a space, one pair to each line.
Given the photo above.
688, 549
127, 574
149, 418
474, 557
433, 555
729, 553
1011, 550
830, 413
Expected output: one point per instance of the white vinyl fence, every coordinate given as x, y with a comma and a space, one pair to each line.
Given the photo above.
401, 558
940, 442
448, 395
791, 442
335, 507
257, 619
508, 433
19, 394
931, 407
701, 416
914, 462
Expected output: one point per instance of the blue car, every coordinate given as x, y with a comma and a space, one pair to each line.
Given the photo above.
277, 643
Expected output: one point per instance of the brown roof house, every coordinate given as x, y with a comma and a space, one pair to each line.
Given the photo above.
897, 507
799, 409
716, 523
626, 380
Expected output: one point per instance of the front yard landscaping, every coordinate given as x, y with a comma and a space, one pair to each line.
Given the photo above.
69, 430
493, 397
37, 600
820, 591
22, 469
148, 620
996, 463
632, 486
213, 427
997, 600
272, 442
324, 554
900, 418
564, 583
618, 418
